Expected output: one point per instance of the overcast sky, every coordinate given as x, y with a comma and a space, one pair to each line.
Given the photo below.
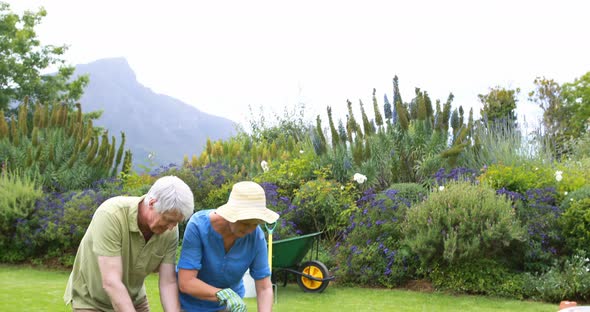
222, 56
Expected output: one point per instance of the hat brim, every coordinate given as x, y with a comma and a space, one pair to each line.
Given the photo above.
233, 214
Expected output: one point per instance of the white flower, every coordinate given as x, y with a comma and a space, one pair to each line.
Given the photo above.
536, 168
342, 187
586, 259
441, 188
565, 193
300, 151
264, 165
359, 178
558, 175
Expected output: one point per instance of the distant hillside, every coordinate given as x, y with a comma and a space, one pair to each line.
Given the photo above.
153, 123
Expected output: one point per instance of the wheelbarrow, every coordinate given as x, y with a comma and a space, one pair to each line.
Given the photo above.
287, 254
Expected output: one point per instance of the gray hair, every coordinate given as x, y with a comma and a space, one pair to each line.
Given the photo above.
171, 193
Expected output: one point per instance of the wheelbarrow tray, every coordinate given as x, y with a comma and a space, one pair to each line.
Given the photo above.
288, 253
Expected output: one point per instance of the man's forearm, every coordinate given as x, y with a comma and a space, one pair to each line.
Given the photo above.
169, 297
119, 297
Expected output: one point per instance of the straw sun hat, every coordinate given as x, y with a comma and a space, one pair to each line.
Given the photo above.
247, 201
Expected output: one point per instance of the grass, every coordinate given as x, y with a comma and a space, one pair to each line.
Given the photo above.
30, 289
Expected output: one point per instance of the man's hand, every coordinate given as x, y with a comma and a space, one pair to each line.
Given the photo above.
231, 300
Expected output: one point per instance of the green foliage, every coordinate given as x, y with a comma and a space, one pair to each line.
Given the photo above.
72, 154
575, 222
323, 206
463, 221
24, 58
290, 174
548, 96
218, 196
499, 106
136, 184
479, 277
413, 192
203, 180
576, 96
17, 202
518, 178
566, 280
572, 175
504, 144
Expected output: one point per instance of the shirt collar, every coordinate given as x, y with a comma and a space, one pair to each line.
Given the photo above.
133, 215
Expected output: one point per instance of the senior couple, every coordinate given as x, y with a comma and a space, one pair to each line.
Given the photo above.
130, 237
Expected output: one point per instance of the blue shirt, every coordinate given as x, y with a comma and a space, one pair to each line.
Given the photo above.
202, 249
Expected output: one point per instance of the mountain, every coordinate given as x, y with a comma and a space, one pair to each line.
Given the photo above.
153, 123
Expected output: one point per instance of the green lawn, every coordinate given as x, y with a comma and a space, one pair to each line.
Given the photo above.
29, 289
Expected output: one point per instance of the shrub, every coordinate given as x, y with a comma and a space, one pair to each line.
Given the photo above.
290, 174
218, 196
480, 277
58, 223
285, 228
17, 202
575, 224
455, 174
581, 193
202, 180
321, 207
369, 252
412, 192
538, 212
567, 280
519, 178
463, 221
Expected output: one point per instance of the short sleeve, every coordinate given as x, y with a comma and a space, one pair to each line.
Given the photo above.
259, 268
170, 255
106, 234
191, 253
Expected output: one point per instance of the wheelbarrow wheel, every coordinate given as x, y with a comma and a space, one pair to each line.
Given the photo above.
317, 270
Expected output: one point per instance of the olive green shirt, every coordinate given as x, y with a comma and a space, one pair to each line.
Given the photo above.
113, 231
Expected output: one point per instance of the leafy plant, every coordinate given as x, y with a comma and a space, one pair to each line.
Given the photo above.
565, 280
481, 277
575, 225
320, 206
60, 149
17, 202
463, 221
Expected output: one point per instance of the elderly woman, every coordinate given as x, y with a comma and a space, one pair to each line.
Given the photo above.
219, 246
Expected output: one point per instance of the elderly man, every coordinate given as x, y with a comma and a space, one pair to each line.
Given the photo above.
127, 239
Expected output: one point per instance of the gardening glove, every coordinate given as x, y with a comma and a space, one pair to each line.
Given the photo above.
231, 300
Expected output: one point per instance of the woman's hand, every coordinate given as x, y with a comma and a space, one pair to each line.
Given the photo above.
232, 301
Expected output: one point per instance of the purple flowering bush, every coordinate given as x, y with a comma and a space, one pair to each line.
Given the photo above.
58, 223
538, 212
285, 228
369, 252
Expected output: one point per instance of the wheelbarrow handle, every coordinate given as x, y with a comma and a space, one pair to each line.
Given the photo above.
313, 278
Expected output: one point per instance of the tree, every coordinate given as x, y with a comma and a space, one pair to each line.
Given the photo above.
576, 97
499, 105
566, 109
547, 95
23, 58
